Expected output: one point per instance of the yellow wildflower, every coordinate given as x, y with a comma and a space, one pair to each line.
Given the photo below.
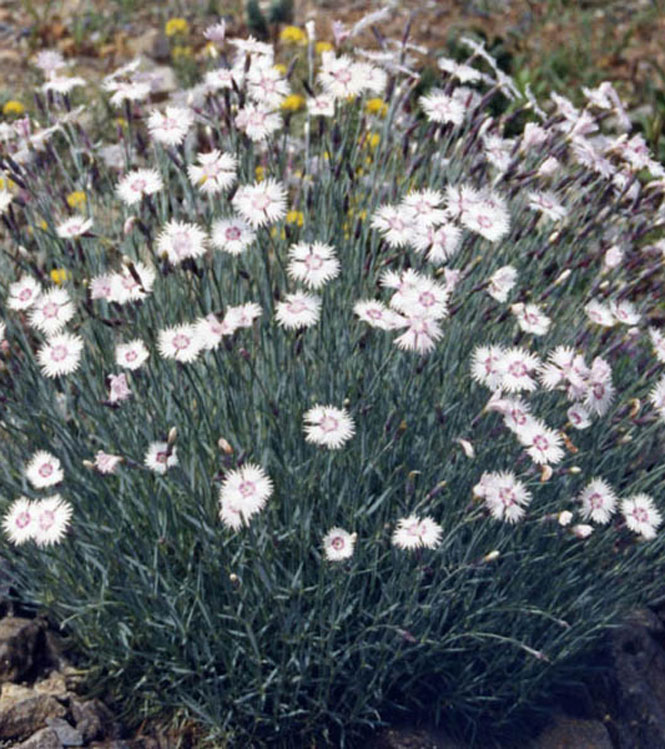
322, 47
293, 103
6, 184
59, 275
13, 107
373, 141
176, 26
76, 199
293, 35
121, 121
280, 68
377, 106
260, 173
295, 217
181, 52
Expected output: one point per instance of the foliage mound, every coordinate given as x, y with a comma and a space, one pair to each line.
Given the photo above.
327, 397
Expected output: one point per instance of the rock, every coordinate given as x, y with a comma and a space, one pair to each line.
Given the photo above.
573, 733
92, 718
54, 685
21, 716
44, 739
67, 734
636, 694
21, 647
412, 738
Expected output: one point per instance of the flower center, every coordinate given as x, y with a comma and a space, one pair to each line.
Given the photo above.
596, 501
233, 234
25, 294
45, 470
130, 356
23, 520
46, 519
247, 488
260, 202
485, 221
540, 442
329, 424
181, 342
313, 262
50, 309
59, 353
337, 543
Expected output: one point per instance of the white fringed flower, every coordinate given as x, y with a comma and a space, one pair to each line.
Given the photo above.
328, 426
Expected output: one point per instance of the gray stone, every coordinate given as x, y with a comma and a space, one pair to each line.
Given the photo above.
21, 716
92, 718
44, 739
572, 733
67, 734
21, 646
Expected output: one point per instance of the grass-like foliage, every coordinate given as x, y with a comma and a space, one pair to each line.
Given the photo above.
328, 415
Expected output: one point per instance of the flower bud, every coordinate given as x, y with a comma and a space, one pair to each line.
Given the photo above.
224, 446
173, 433
565, 517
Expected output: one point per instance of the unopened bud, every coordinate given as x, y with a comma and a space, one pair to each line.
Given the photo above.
565, 517
492, 556
562, 277
574, 470
88, 464
545, 473
224, 446
467, 447
128, 225
582, 531
234, 579
635, 406
173, 433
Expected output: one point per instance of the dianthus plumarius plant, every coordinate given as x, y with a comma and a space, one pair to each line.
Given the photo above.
314, 417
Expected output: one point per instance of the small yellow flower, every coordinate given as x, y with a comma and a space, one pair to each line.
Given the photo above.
13, 107
6, 184
59, 275
293, 35
322, 47
176, 26
376, 106
180, 52
295, 217
260, 173
76, 199
121, 121
293, 103
373, 140
43, 225
280, 68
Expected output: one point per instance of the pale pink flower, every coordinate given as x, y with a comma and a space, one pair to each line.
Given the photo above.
488, 217
60, 355
421, 334
180, 240
531, 318
134, 186
123, 91
314, 264
257, 122
440, 107
261, 203
581, 531
63, 84
214, 173
216, 32
73, 227
52, 518
340, 77
322, 106
599, 388
498, 151
515, 368
378, 315
179, 342
131, 355
44, 470
131, 287
558, 368
241, 316
613, 257
578, 416
657, 397
624, 312
463, 73
232, 235
298, 310
485, 365
516, 412
328, 426
413, 532
209, 331
425, 207
421, 297
50, 60
658, 343
547, 204
641, 515
504, 496
101, 287
23, 293
440, 243
221, 78
338, 544
19, 521
161, 456
107, 463
172, 126
396, 223
118, 388
598, 501
244, 493
501, 282
542, 443
267, 86
51, 311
